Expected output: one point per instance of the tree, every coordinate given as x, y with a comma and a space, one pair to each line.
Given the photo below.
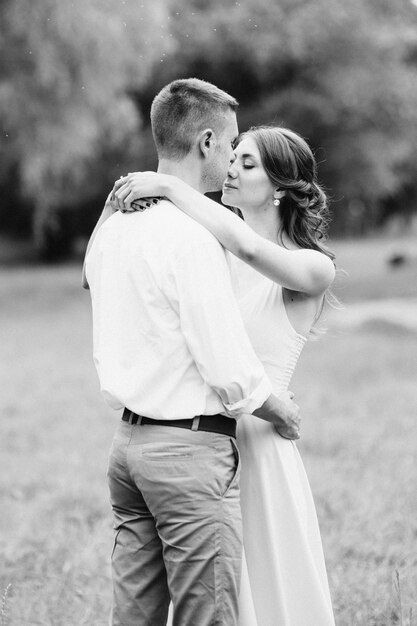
340, 73
65, 75
77, 81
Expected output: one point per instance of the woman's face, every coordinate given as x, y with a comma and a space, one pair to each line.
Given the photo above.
247, 184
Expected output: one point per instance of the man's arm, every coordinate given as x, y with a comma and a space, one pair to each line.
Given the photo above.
200, 288
283, 413
106, 213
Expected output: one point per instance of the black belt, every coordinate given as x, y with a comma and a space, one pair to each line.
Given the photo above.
209, 423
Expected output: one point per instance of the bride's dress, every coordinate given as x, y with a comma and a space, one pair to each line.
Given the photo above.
284, 580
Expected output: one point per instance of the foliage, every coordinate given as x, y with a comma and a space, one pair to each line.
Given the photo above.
342, 74
66, 70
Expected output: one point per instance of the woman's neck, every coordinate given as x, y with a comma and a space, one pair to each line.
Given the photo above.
265, 221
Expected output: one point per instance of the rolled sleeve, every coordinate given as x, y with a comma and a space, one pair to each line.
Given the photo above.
212, 325
252, 402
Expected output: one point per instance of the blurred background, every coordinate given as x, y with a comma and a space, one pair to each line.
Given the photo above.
76, 83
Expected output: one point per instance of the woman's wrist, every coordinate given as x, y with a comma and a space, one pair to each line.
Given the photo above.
169, 185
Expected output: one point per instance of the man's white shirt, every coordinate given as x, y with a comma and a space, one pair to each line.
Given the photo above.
169, 341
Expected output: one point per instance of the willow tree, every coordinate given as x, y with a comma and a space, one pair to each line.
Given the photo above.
66, 69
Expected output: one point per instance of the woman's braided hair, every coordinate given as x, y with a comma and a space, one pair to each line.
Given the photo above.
291, 167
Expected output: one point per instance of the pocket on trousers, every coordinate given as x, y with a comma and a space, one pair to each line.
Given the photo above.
175, 451
234, 476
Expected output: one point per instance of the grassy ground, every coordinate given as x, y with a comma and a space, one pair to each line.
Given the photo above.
359, 404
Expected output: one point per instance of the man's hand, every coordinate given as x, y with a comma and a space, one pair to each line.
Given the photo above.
283, 413
289, 425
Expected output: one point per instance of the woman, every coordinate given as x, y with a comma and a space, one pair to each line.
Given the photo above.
280, 271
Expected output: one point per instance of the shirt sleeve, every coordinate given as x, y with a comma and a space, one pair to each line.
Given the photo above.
210, 320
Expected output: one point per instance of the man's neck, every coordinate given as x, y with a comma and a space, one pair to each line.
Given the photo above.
187, 170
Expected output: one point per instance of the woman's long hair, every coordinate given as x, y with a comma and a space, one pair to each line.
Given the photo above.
304, 210
291, 167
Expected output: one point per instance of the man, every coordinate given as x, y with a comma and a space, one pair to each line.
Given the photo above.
170, 347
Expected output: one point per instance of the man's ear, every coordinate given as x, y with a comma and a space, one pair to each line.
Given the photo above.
207, 142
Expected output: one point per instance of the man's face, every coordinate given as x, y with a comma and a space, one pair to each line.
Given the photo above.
218, 165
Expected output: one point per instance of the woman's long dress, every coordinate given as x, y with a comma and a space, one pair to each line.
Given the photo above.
284, 581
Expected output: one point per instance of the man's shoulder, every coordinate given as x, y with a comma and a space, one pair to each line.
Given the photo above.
182, 228
163, 230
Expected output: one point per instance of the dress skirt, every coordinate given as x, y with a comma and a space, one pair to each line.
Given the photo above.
284, 580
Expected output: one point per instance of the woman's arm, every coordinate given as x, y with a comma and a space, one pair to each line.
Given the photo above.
307, 271
106, 213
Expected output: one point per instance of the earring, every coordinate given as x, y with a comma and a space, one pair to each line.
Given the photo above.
276, 198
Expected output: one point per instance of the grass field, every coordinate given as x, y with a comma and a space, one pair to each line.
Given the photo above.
359, 399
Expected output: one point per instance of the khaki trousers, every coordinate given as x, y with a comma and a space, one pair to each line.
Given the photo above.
178, 529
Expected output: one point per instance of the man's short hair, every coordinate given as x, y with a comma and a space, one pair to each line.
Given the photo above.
184, 108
